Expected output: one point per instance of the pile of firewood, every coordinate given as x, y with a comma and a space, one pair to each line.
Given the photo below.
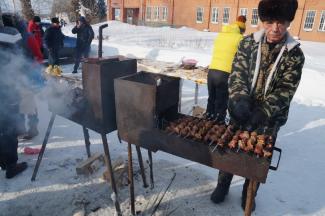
221, 135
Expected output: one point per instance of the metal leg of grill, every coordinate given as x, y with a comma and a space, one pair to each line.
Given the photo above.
152, 184
196, 94
111, 174
143, 174
131, 181
251, 190
40, 155
87, 142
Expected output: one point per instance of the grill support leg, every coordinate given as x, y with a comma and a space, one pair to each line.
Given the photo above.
251, 190
152, 184
87, 142
111, 174
46, 138
143, 174
131, 181
196, 94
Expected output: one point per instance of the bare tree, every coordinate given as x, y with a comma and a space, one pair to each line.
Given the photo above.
27, 9
1, 21
75, 9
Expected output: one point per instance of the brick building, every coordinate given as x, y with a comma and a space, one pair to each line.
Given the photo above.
309, 23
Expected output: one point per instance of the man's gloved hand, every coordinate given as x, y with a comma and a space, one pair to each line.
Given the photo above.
240, 109
258, 118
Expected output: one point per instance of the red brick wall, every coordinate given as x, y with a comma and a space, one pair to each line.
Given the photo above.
184, 12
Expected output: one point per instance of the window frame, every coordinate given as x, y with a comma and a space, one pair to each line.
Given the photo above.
156, 13
217, 15
148, 15
197, 11
254, 17
322, 18
223, 15
164, 13
307, 29
243, 9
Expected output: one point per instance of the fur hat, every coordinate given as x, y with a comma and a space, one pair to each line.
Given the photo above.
82, 19
37, 19
282, 10
55, 20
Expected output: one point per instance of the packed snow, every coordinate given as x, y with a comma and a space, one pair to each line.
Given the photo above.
295, 189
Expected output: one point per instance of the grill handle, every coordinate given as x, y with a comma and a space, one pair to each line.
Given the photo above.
280, 153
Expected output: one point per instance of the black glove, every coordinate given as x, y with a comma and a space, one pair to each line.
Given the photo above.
240, 109
259, 117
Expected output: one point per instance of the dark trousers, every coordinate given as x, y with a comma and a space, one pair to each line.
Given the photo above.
225, 178
80, 52
218, 93
8, 149
53, 56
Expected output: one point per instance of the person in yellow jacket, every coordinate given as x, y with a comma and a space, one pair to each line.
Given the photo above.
224, 50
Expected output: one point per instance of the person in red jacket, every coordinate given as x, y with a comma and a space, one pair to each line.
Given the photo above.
34, 27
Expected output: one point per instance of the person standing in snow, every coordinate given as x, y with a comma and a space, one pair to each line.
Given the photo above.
224, 50
10, 100
85, 35
32, 51
266, 72
35, 28
54, 41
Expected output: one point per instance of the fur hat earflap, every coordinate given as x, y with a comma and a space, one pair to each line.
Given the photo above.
282, 10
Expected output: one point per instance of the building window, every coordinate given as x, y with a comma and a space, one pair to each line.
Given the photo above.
164, 12
148, 13
322, 22
243, 12
226, 13
309, 21
215, 14
199, 15
156, 13
254, 20
117, 14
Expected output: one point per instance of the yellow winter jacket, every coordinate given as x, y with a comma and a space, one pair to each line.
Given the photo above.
225, 48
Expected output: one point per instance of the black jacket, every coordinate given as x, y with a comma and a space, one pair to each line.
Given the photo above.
85, 35
54, 37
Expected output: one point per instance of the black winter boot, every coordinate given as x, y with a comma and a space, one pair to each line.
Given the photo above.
244, 195
219, 194
15, 169
222, 189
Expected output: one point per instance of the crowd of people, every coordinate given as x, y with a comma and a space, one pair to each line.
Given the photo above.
18, 105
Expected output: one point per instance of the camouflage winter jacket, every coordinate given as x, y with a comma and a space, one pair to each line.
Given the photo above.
281, 84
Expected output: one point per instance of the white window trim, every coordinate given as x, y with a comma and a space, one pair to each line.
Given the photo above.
162, 13
246, 9
217, 21
223, 15
254, 25
320, 19
150, 17
312, 26
156, 13
202, 15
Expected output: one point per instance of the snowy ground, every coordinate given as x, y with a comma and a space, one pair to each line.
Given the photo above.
295, 189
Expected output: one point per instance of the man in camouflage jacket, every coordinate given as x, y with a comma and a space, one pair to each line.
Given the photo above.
266, 72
